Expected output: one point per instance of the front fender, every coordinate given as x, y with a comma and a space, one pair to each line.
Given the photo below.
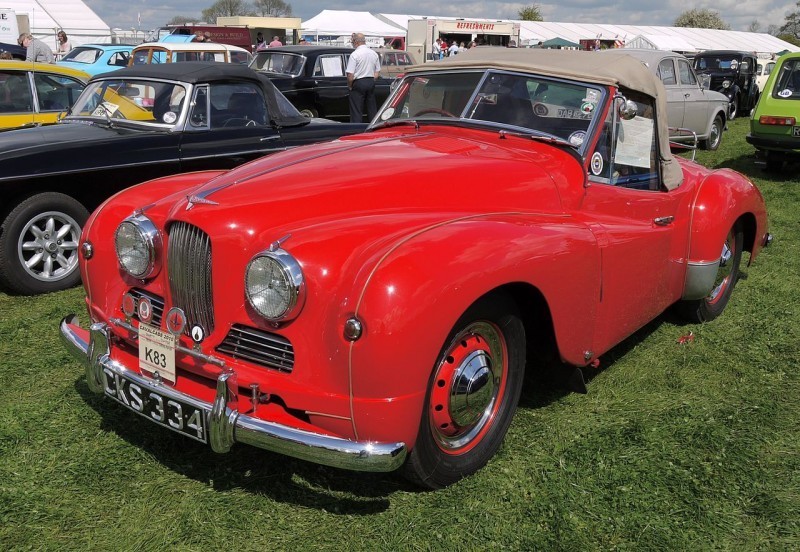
411, 299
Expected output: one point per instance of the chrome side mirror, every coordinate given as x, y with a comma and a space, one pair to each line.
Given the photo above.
627, 108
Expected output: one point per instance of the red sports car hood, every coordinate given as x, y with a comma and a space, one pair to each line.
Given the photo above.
450, 171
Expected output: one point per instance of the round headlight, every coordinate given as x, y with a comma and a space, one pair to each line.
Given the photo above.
274, 285
726, 83
138, 244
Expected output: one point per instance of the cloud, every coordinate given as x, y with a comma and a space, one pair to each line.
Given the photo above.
738, 14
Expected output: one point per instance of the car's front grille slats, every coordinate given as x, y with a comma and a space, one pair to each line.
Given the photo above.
156, 302
258, 346
190, 282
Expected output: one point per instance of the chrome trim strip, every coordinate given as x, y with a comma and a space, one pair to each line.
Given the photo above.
226, 425
700, 279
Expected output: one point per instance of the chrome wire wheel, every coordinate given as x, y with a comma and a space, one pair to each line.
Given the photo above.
468, 387
48, 246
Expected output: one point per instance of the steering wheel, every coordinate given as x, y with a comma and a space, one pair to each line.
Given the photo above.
433, 110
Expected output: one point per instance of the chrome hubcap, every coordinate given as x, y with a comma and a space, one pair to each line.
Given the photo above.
467, 386
48, 246
724, 271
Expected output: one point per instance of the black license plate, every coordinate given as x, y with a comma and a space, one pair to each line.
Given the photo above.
175, 414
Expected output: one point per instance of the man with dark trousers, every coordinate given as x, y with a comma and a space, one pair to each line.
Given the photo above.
363, 68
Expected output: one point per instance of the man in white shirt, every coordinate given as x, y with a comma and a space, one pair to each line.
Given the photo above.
437, 49
453, 49
363, 68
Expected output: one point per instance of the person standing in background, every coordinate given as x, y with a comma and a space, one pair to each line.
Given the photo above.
64, 45
363, 67
276, 42
36, 49
261, 44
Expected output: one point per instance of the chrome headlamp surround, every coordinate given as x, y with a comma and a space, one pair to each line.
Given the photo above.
726, 83
274, 285
141, 257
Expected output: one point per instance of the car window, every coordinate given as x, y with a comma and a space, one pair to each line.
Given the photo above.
278, 62
119, 59
787, 83
666, 72
626, 154
56, 92
329, 66
769, 67
134, 100
237, 105
239, 57
82, 54
686, 74
199, 114
15, 92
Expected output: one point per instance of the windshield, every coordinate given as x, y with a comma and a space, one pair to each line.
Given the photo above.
278, 62
82, 54
717, 64
787, 85
145, 101
555, 107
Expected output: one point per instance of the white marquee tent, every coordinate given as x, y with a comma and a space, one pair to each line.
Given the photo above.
47, 17
680, 39
337, 23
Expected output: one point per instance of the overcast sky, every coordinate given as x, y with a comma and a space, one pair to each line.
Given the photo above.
737, 13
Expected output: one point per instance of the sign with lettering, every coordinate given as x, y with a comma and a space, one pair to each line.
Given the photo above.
9, 31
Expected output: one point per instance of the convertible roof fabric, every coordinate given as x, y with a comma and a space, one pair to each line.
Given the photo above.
615, 69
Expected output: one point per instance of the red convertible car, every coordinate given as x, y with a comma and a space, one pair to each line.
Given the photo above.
374, 303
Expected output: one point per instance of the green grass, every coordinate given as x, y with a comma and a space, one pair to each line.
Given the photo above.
680, 447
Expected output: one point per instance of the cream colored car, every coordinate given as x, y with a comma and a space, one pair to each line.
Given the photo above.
763, 69
171, 52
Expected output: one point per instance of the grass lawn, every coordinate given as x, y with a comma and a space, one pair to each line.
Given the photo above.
677, 446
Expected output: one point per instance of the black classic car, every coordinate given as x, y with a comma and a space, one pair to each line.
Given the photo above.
734, 74
126, 127
313, 78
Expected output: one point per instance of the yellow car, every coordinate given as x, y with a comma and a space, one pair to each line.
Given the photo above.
36, 93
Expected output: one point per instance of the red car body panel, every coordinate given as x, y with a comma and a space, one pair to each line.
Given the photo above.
408, 253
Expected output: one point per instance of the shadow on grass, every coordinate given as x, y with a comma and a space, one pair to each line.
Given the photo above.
256, 471
554, 380
754, 167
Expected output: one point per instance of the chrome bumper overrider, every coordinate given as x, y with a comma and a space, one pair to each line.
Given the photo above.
226, 425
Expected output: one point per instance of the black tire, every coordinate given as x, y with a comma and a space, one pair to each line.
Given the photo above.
715, 136
734, 108
711, 306
460, 431
45, 222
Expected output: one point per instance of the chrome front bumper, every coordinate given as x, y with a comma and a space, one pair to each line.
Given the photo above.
226, 425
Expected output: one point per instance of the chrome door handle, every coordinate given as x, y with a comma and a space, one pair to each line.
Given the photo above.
266, 138
664, 221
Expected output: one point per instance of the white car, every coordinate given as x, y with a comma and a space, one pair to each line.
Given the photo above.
171, 52
763, 69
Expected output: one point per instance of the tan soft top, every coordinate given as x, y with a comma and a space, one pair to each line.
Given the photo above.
610, 69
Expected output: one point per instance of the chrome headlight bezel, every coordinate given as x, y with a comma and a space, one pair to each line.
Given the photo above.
289, 271
150, 239
726, 83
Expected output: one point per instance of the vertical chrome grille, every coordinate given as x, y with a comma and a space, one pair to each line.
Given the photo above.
189, 265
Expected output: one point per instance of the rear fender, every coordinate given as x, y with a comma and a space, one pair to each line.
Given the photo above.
723, 198
411, 299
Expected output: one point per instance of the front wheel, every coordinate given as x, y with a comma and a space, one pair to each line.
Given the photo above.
733, 110
715, 136
472, 394
39, 244
712, 305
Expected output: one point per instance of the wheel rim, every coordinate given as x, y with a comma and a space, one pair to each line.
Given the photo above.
725, 271
48, 246
468, 387
715, 134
